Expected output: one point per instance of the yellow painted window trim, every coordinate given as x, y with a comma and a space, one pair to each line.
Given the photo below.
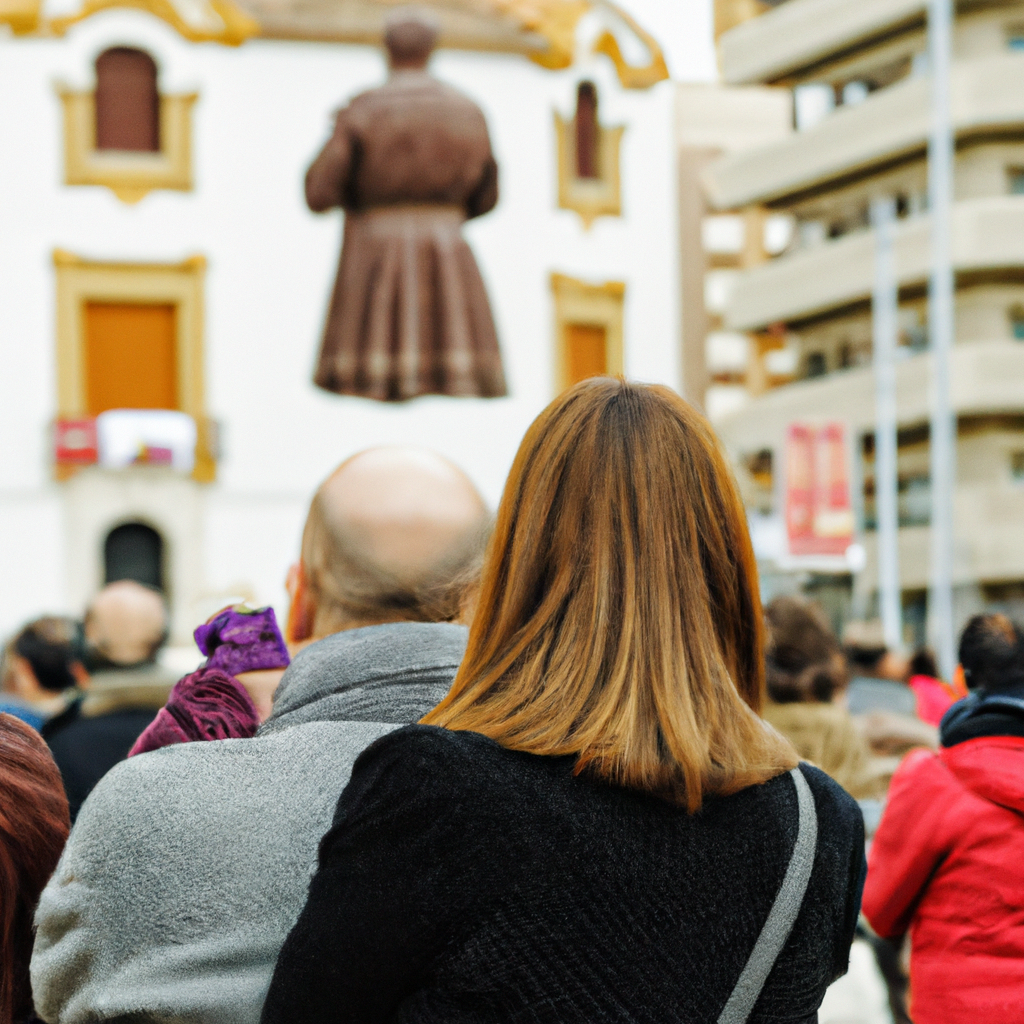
130, 176
80, 281
589, 197
600, 305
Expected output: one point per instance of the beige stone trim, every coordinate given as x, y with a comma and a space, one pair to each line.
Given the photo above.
589, 197
129, 175
578, 302
181, 284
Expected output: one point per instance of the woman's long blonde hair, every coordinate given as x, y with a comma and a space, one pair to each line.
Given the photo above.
618, 617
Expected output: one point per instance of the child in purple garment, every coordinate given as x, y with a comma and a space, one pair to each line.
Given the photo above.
210, 703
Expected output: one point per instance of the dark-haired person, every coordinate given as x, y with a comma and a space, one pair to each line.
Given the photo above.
125, 627
947, 862
805, 672
534, 852
33, 826
41, 665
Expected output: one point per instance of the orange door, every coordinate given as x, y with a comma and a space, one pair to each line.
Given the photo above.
586, 352
130, 356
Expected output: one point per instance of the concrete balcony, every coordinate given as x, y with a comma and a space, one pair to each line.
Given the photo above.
985, 96
800, 33
987, 542
987, 377
988, 234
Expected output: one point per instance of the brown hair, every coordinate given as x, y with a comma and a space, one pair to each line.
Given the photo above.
51, 645
33, 827
804, 661
618, 618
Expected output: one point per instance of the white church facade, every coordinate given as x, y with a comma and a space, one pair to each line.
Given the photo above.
171, 268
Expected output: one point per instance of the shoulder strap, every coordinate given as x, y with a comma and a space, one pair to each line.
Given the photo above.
784, 911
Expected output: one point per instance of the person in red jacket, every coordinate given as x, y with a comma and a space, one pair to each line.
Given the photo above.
947, 861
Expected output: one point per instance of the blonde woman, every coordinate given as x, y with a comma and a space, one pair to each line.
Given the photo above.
595, 825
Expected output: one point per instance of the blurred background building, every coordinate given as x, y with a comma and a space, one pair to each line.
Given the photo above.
162, 283
857, 75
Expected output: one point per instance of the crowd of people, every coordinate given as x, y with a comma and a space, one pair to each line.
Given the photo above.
556, 765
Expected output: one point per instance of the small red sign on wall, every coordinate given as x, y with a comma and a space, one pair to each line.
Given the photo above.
819, 514
75, 442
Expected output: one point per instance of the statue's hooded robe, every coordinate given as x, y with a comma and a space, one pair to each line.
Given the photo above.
409, 315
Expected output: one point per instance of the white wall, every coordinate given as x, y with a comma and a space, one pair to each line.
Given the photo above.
263, 113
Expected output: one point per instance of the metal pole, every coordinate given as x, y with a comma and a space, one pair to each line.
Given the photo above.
884, 300
940, 330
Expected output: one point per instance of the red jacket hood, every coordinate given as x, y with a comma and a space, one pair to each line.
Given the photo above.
991, 767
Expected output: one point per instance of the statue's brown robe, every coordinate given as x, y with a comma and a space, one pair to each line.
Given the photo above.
409, 315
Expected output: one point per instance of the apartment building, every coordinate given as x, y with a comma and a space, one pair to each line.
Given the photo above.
859, 76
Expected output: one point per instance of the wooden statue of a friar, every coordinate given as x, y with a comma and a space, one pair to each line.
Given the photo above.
409, 162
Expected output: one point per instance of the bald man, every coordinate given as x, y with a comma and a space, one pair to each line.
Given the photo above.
125, 627
188, 866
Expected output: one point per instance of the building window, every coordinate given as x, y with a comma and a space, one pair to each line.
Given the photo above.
1015, 37
1017, 322
588, 160
817, 365
130, 356
130, 336
587, 130
127, 101
124, 134
588, 329
1017, 466
1015, 180
134, 551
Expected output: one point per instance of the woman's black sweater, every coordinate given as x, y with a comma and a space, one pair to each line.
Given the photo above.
463, 882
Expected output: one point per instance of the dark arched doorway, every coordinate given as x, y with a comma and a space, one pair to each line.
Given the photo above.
134, 551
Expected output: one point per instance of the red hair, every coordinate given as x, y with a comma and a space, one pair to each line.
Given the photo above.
34, 824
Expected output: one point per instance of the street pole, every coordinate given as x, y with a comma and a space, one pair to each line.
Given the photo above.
940, 330
884, 300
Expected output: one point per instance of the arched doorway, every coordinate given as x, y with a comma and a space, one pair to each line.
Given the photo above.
134, 551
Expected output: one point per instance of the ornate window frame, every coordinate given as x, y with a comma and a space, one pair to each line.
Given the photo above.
589, 197
579, 302
130, 176
181, 284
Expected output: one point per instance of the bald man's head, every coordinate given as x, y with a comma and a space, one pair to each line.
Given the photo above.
126, 624
394, 534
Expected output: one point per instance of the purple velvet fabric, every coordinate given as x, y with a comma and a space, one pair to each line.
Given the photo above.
208, 704
237, 641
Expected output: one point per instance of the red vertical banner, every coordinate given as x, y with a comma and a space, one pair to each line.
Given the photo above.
799, 486
819, 511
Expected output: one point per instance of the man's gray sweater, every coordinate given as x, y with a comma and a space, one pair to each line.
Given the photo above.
188, 866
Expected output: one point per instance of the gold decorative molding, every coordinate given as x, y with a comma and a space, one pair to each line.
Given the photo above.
545, 30
80, 281
589, 197
207, 21
630, 75
581, 303
556, 21
130, 176
22, 16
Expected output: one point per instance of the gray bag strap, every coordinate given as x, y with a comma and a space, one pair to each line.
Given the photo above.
784, 910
